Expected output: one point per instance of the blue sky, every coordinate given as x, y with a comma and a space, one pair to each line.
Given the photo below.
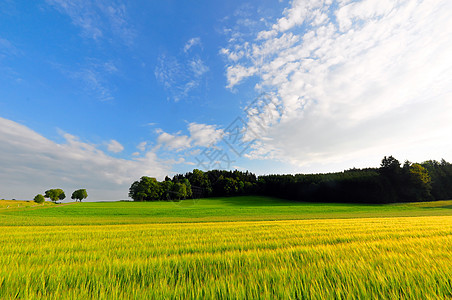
95, 94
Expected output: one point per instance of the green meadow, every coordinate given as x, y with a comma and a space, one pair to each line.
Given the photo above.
226, 248
227, 209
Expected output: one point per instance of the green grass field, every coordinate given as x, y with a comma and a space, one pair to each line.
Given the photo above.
243, 247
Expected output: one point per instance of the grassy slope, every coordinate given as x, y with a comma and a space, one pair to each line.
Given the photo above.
10, 204
208, 210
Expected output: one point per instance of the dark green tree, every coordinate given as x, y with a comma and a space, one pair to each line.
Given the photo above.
420, 183
79, 195
390, 166
187, 184
199, 180
167, 187
147, 189
179, 191
55, 194
226, 186
39, 199
441, 178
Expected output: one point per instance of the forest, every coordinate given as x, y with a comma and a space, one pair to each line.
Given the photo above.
390, 183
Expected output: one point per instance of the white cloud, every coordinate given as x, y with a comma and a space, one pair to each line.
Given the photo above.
236, 73
183, 74
102, 21
110, 67
173, 142
201, 135
93, 77
97, 19
363, 11
191, 43
30, 164
82, 15
94, 83
180, 76
300, 11
142, 146
198, 67
114, 146
375, 80
204, 135
232, 55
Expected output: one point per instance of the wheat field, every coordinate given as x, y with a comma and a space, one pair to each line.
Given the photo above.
364, 258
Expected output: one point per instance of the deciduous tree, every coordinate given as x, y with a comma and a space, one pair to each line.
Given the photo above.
55, 194
147, 189
39, 199
79, 195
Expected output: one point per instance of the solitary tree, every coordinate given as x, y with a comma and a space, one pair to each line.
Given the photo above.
79, 195
55, 194
39, 199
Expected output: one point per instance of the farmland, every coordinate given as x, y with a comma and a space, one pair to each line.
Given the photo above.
11, 204
249, 247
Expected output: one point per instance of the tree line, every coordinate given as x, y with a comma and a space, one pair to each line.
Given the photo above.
196, 184
58, 194
391, 182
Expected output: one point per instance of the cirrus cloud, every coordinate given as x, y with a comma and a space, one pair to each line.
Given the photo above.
97, 19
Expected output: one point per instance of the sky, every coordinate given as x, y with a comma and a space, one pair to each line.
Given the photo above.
96, 94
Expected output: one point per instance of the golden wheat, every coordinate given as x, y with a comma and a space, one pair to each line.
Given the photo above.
308, 259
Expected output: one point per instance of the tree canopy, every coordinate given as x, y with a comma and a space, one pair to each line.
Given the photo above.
390, 183
195, 184
55, 194
79, 195
39, 199
147, 189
